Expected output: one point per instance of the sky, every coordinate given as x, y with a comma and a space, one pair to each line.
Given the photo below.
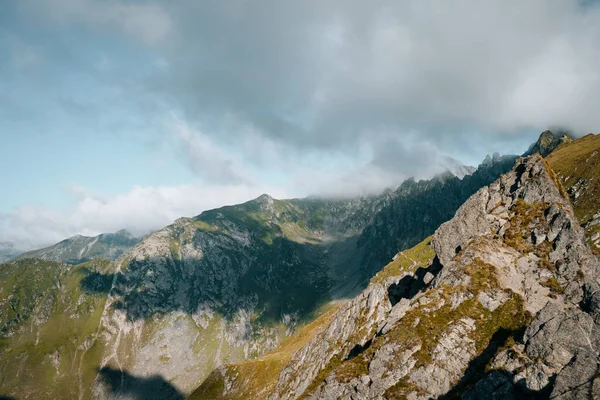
129, 114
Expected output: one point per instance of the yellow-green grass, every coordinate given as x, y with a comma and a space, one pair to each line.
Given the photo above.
408, 261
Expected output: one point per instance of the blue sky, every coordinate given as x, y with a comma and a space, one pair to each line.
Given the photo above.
128, 113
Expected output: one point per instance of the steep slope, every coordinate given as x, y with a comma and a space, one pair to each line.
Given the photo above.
49, 316
238, 280
500, 304
79, 249
578, 165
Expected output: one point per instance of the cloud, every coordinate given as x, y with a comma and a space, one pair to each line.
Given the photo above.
323, 75
147, 22
141, 210
205, 158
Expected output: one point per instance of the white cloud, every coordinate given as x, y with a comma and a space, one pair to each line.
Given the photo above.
141, 210
204, 157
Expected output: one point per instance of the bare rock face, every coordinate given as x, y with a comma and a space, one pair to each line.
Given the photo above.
512, 290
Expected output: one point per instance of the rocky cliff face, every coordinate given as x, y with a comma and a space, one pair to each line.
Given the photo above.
80, 249
417, 209
225, 286
501, 304
238, 280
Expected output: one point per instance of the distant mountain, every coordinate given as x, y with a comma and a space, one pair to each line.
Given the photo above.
7, 251
547, 142
78, 249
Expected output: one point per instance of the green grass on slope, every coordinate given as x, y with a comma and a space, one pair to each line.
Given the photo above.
47, 347
407, 261
578, 165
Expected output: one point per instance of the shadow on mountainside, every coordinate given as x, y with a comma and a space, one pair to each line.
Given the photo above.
478, 382
7, 398
96, 282
410, 285
286, 278
138, 388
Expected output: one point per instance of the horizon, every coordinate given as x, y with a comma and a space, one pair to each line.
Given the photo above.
131, 114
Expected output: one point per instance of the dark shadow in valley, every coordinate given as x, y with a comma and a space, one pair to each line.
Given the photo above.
7, 398
138, 388
410, 285
478, 382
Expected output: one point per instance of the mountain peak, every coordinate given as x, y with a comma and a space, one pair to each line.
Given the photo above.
547, 142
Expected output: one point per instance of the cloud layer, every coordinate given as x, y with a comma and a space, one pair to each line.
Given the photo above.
335, 97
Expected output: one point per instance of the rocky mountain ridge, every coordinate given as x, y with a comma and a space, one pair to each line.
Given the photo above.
509, 281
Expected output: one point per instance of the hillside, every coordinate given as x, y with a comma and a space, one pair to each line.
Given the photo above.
79, 249
49, 316
225, 286
578, 165
509, 281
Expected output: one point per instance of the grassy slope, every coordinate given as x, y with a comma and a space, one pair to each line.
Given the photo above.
50, 353
578, 165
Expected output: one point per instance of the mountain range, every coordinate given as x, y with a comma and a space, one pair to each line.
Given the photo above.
271, 281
